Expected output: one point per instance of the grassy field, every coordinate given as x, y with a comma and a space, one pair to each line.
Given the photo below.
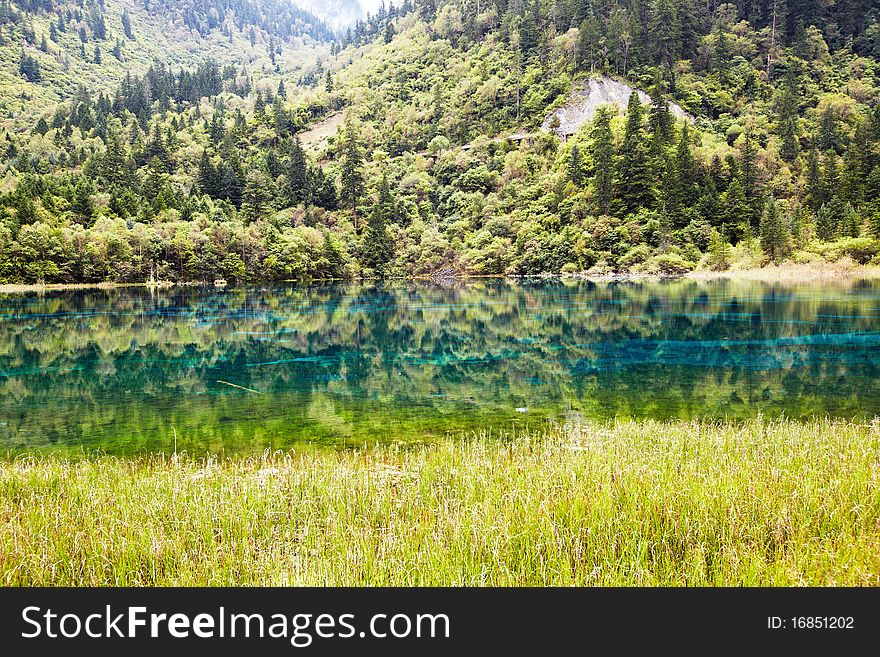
629, 503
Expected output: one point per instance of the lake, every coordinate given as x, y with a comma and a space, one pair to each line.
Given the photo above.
131, 370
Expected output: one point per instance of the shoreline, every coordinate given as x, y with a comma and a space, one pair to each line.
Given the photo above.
786, 272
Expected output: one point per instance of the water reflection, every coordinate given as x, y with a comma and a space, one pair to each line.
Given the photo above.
240, 370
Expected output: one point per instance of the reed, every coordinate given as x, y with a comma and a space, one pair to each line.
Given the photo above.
618, 503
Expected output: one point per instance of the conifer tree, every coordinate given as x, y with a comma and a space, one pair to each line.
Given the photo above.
352, 176
749, 176
126, 24
736, 212
296, 172
774, 236
378, 247
634, 171
255, 199
602, 152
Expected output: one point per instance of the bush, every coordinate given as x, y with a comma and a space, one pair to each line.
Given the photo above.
635, 256
860, 249
668, 264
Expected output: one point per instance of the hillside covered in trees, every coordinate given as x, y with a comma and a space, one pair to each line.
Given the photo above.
131, 150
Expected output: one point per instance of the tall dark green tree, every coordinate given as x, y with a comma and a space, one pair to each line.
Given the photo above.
602, 155
377, 249
634, 177
353, 182
296, 173
750, 178
774, 236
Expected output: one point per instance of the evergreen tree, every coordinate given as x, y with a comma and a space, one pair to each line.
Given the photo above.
634, 171
687, 167
856, 166
352, 176
295, 172
828, 218
126, 24
815, 191
378, 247
718, 251
828, 132
749, 176
790, 148
602, 155
255, 198
81, 204
736, 212
774, 238
830, 176
206, 176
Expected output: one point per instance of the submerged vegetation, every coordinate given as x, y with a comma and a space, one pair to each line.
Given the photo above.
631, 503
239, 371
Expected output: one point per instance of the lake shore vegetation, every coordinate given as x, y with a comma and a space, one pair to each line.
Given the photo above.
622, 502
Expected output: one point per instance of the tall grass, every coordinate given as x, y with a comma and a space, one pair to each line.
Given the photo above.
629, 503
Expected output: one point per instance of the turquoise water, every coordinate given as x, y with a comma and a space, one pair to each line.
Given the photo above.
127, 370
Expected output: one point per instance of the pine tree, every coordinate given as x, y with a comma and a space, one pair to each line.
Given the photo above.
672, 196
718, 252
815, 193
856, 166
749, 176
828, 219
352, 177
378, 247
634, 171
255, 199
126, 24
687, 167
206, 176
774, 238
332, 258
736, 212
830, 176
602, 155
296, 184
81, 205
790, 148
828, 132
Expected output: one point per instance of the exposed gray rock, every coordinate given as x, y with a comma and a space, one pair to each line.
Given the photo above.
587, 98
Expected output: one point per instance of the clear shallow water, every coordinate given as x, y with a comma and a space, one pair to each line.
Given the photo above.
124, 370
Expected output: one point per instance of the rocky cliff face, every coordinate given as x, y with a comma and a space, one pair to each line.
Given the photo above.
586, 98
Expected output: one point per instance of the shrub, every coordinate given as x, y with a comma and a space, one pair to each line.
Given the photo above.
860, 249
669, 264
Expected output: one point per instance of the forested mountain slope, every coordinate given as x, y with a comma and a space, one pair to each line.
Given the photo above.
442, 163
50, 48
